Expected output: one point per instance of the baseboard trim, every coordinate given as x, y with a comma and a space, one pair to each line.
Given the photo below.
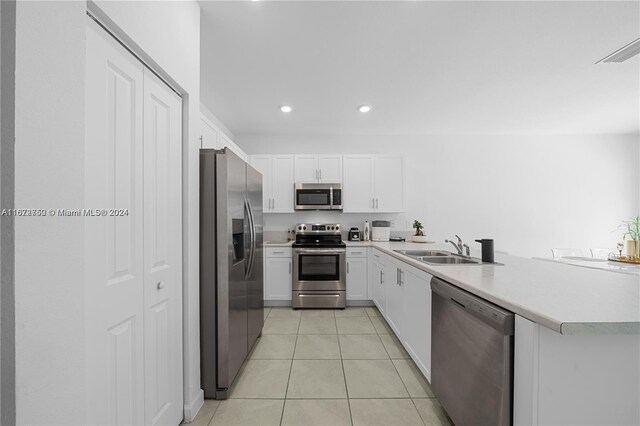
193, 407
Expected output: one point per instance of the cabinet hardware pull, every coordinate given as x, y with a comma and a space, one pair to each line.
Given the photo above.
347, 267
160, 285
289, 267
278, 252
320, 174
381, 277
376, 202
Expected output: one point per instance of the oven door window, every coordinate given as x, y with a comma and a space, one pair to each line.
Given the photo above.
312, 197
319, 267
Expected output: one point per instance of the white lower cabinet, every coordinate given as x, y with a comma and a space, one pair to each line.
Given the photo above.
416, 333
402, 293
357, 278
277, 274
394, 294
376, 281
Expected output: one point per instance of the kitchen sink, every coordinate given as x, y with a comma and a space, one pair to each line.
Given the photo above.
448, 260
417, 253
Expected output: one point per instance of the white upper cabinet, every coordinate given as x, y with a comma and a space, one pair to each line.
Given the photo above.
389, 183
306, 168
357, 184
373, 183
330, 167
209, 134
277, 182
318, 168
226, 142
212, 137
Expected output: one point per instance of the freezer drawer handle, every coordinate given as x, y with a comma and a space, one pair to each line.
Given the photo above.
318, 295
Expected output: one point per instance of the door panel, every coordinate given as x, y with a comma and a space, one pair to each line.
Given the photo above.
162, 252
357, 186
114, 244
262, 165
210, 135
389, 181
282, 171
235, 300
330, 168
255, 286
306, 168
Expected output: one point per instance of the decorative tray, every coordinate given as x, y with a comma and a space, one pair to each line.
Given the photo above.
624, 259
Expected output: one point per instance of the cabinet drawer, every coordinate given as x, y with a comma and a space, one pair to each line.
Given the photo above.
356, 252
278, 252
377, 256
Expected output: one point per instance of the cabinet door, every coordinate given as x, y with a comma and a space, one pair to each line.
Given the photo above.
357, 184
262, 164
277, 280
209, 134
357, 278
330, 167
389, 184
113, 269
394, 297
281, 172
225, 141
377, 285
162, 258
306, 168
417, 324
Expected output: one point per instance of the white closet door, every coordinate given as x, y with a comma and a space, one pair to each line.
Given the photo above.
113, 244
162, 252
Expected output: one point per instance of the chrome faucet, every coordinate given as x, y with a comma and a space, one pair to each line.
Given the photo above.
458, 246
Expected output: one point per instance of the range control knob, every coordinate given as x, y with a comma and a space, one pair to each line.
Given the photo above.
304, 228
337, 226
299, 228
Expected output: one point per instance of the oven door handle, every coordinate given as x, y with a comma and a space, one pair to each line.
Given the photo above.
319, 251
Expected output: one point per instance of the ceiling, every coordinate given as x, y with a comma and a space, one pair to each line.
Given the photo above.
425, 67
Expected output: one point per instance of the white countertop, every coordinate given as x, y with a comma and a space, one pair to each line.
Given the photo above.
278, 243
564, 298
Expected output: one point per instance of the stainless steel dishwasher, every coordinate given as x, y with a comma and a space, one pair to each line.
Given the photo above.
471, 356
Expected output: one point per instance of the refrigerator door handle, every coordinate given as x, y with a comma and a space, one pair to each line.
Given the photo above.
247, 270
252, 230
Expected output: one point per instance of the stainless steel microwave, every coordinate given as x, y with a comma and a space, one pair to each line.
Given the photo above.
317, 196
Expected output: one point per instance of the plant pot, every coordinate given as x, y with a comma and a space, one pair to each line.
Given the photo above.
419, 238
632, 248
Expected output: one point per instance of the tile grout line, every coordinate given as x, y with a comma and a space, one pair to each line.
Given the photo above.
344, 376
284, 401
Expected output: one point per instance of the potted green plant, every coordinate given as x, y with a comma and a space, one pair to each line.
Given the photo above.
419, 236
632, 230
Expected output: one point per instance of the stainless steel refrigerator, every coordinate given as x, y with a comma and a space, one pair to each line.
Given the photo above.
231, 287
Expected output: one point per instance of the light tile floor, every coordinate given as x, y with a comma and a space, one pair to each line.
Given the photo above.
324, 367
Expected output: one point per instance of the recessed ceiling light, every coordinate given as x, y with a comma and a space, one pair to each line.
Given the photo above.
364, 108
285, 108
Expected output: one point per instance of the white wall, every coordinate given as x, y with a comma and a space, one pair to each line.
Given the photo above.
49, 163
529, 193
49, 295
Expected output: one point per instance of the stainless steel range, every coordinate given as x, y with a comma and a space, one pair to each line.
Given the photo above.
319, 266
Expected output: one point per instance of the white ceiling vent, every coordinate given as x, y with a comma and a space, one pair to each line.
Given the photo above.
624, 53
